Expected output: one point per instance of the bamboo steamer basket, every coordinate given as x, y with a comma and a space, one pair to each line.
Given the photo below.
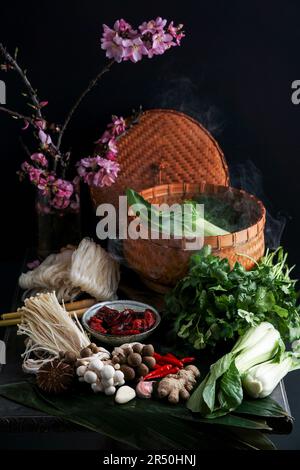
162, 263
165, 146
165, 149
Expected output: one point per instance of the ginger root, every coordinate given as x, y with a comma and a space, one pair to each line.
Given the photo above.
176, 386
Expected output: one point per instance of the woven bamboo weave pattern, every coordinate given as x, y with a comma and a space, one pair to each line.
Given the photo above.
166, 146
162, 263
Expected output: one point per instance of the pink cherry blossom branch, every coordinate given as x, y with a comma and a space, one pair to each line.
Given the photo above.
91, 85
32, 93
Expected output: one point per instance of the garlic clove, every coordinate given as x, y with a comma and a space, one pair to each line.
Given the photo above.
144, 389
125, 394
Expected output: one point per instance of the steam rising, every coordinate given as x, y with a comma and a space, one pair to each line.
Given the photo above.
248, 177
183, 95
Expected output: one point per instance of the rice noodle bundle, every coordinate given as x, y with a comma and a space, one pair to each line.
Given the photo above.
49, 329
89, 269
94, 270
52, 274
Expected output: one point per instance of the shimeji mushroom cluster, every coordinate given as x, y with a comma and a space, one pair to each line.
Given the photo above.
97, 371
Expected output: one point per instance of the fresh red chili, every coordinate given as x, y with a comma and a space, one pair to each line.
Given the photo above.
186, 360
159, 373
168, 360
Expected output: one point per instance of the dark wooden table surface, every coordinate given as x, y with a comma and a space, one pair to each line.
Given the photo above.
23, 428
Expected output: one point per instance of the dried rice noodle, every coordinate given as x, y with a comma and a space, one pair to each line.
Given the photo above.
52, 274
94, 270
89, 269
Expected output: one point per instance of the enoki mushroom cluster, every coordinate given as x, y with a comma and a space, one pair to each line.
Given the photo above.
49, 329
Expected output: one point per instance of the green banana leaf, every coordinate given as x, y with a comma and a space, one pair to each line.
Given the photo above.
145, 424
266, 407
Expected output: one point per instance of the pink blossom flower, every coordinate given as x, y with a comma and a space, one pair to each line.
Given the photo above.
106, 136
108, 179
86, 162
122, 26
123, 43
63, 188
45, 184
101, 172
60, 202
111, 42
160, 43
26, 125
112, 146
40, 159
153, 26
111, 156
34, 174
40, 124
44, 138
176, 32
26, 167
43, 104
135, 50
33, 264
118, 125
107, 164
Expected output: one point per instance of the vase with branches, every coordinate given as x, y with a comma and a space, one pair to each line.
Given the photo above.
48, 166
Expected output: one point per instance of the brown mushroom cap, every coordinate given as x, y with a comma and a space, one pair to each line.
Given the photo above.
134, 359
137, 348
70, 357
149, 361
142, 370
148, 350
129, 373
86, 352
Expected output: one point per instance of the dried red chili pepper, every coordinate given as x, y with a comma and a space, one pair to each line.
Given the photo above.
126, 322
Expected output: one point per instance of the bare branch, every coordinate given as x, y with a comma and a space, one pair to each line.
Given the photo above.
17, 115
91, 85
33, 95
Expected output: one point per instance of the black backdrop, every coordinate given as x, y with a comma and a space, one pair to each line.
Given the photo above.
234, 71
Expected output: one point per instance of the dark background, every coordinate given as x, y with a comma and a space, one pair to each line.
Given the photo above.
233, 72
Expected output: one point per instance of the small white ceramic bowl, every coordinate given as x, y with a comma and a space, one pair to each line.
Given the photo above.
120, 305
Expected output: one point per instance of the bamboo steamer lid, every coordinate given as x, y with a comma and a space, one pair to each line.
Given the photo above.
165, 146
